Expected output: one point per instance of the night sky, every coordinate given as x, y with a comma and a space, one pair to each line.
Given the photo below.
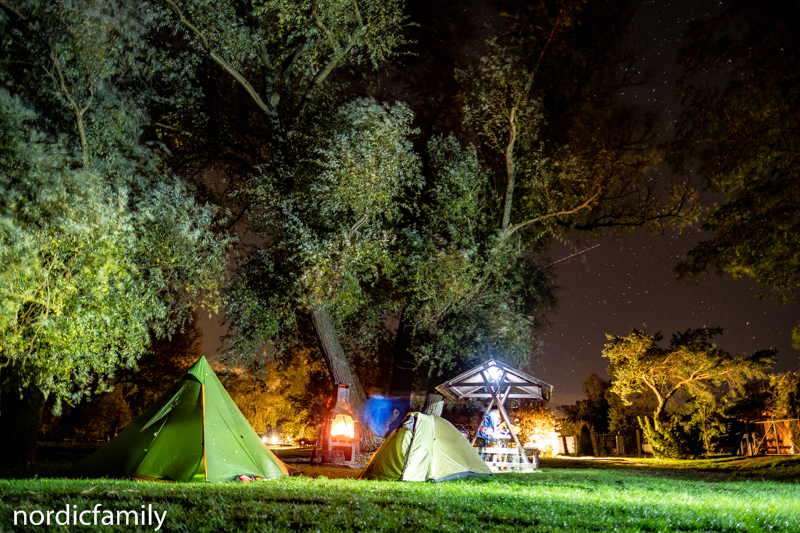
625, 282
628, 282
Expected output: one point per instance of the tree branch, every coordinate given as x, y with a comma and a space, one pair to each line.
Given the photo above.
510, 231
509, 157
334, 61
219, 59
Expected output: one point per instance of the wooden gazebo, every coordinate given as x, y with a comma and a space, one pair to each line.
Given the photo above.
497, 382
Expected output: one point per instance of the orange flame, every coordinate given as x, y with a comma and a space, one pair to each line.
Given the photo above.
343, 426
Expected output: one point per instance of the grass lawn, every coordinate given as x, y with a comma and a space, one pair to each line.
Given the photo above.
566, 495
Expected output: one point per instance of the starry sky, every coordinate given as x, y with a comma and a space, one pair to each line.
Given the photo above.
628, 282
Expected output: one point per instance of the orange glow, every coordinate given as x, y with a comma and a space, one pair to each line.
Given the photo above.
546, 441
343, 426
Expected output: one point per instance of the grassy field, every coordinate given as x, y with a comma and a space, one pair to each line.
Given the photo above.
724, 494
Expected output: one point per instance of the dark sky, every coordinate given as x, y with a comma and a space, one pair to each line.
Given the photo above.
629, 282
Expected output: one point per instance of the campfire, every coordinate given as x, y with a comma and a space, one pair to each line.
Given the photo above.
343, 435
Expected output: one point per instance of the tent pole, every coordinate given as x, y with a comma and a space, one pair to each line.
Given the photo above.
205, 463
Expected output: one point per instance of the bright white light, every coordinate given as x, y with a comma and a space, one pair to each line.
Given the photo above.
264, 440
494, 373
342, 426
275, 440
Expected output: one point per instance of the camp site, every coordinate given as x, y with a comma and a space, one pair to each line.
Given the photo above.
400, 265
194, 449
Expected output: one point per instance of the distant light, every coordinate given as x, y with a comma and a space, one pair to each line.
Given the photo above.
275, 440
264, 440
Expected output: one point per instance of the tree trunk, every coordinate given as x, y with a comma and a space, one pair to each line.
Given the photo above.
434, 403
402, 382
20, 419
595, 445
659, 408
339, 367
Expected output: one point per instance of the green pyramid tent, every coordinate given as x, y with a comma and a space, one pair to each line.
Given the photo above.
194, 432
425, 448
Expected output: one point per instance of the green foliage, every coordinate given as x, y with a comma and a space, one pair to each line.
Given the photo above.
786, 390
708, 418
672, 440
691, 365
100, 250
336, 227
470, 295
742, 135
293, 46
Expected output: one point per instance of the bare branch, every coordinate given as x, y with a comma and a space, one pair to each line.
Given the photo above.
510, 231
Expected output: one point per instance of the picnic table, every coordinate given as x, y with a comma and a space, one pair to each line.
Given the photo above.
502, 459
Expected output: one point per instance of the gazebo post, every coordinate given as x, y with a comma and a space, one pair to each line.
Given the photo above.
507, 419
480, 423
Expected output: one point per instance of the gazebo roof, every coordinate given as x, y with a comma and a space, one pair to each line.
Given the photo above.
475, 383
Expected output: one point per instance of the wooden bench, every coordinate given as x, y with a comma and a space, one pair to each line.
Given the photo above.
508, 459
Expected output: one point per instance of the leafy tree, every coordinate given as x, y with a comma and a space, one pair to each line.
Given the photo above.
561, 150
335, 236
100, 250
709, 417
739, 129
554, 151
785, 392
290, 146
690, 365
591, 413
287, 399
466, 291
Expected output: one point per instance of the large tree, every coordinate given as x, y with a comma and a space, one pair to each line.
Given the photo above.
555, 152
333, 238
691, 367
284, 148
740, 130
562, 150
100, 250
691, 364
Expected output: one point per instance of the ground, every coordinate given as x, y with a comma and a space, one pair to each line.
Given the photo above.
570, 495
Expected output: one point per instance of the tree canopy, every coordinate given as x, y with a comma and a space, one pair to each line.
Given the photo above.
101, 250
740, 130
691, 364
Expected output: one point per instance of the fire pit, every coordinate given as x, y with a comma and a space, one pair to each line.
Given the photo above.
343, 435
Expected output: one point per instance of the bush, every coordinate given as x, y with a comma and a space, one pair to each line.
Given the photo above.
673, 441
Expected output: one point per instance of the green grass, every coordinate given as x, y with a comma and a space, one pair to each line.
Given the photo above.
632, 498
762, 467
